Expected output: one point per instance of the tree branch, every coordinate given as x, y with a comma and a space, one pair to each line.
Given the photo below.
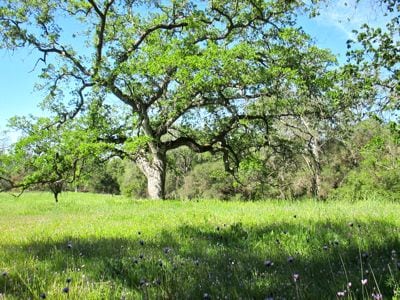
100, 31
162, 88
124, 56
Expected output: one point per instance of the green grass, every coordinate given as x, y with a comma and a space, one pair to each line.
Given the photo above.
111, 247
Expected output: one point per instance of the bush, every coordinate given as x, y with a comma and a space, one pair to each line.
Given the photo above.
132, 182
207, 180
378, 173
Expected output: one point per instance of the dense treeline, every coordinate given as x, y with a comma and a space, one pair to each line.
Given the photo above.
365, 164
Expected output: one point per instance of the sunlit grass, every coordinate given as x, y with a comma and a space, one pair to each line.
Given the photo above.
111, 247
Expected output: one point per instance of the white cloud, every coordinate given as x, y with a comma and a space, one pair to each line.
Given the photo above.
347, 15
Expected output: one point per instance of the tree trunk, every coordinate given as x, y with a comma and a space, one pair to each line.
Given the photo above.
316, 181
314, 149
155, 171
56, 187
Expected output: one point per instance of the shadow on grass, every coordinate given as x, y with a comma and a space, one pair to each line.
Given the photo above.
230, 261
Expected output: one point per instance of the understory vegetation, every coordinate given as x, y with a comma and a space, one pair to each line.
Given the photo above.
364, 164
111, 247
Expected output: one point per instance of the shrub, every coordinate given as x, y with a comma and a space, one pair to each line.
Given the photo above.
132, 182
207, 180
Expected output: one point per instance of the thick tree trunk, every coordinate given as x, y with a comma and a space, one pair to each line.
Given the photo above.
155, 170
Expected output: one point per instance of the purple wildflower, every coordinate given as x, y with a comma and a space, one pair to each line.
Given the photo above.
377, 296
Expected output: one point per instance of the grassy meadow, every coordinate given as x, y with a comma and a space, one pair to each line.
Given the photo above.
109, 247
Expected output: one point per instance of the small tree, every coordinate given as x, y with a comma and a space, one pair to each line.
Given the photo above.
48, 156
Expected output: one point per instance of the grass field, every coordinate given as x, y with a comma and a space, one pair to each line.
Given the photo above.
110, 247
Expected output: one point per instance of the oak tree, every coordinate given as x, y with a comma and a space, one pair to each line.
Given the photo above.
150, 76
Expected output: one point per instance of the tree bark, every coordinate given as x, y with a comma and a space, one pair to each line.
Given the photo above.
56, 187
314, 149
155, 171
316, 169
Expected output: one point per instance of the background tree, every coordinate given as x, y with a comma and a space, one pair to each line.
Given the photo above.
311, 106
101, 177
4, 162
377, 172
184, 72
48, 155
4, 143
374, 62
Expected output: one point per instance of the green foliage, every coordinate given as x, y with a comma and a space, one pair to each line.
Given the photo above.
185, 73
364, 163
47, 154
374, 58
136, 144
266, 174
140, 80
132, 182
378, 171
180, 162
102, 178
207, 180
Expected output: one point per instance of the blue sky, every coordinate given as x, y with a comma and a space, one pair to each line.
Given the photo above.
17, 82
330, 30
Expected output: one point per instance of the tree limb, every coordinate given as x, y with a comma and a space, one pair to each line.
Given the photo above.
125, 56
100, 31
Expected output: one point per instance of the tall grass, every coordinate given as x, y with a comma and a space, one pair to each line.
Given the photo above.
110, 247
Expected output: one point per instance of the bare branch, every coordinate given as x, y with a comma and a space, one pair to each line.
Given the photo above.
62, 52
